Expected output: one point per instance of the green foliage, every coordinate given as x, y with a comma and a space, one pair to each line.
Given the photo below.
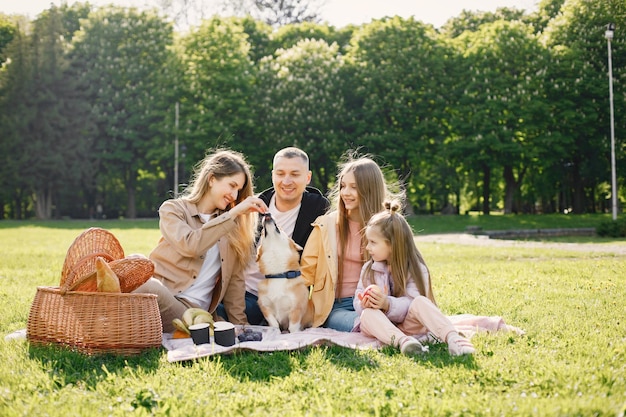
288, 36
259, 38
70, 17
577, 73
400, 83
56, 147
15, 115
471, 21
8, 29
570, 362
124, 55
500, 121
42, 104
496, 111
612, 228
547, 10
219, 76
299, 105
278, 13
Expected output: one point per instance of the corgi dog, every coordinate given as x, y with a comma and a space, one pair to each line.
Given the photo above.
283, 297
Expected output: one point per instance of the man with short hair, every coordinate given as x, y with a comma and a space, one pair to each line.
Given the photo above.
294, 206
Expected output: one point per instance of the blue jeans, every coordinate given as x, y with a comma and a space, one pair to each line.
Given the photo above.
253, 312
342, 315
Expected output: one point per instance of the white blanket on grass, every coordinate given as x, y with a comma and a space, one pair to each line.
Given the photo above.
274, 340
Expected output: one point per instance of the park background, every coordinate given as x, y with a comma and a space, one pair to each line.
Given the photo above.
502, 111
87, 118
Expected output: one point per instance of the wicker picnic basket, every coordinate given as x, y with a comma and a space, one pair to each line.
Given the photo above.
76, 316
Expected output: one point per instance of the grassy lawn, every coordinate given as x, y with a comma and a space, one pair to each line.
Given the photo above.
450, 224
571, 362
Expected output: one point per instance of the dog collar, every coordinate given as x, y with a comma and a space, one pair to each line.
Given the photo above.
288, 274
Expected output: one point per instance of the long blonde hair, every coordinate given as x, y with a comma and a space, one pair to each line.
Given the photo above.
372, 190
219, 164
405, 258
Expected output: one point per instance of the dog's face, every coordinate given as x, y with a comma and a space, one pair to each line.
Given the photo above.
276, 251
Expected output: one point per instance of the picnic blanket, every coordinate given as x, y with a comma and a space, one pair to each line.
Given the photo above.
274, 340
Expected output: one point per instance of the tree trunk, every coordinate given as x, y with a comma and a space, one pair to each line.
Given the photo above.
486, 189
131, 189
131, 210
43, 203
577, 184
510, 187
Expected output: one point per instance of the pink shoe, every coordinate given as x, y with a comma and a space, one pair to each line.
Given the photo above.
411, 346
458, 345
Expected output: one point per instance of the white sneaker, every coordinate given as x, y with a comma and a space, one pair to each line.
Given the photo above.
458, 345
410, 346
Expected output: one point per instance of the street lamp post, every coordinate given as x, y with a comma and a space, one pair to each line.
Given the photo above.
610, 28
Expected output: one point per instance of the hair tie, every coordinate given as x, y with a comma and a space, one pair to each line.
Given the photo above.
392, 206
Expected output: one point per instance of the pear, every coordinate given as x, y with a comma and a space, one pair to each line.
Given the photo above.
179, 325
195, 315
106, 279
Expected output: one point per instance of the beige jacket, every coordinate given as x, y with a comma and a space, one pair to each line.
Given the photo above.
180, 253
319, 265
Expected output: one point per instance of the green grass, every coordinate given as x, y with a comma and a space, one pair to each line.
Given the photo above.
571, 362
449, 224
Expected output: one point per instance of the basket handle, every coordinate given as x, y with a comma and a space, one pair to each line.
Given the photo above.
68, 285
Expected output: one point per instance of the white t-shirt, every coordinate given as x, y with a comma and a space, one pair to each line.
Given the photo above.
286, 220
201, 291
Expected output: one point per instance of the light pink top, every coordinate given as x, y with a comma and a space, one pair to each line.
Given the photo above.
352, 262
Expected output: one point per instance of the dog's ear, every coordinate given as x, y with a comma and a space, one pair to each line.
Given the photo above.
259, 230
259, 248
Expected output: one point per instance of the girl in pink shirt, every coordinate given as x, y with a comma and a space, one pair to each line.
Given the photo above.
335, 252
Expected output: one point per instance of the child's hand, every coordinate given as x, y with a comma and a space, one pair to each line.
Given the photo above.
373, 297
363, 296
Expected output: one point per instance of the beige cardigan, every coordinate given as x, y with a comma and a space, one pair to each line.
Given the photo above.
319, 265
180, 253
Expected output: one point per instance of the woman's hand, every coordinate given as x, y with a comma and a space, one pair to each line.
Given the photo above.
373, 297
249, 205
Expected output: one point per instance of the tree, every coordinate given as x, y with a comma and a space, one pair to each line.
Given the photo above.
123, 54
259, 38
15, 116
300, 104
579, 90
187, 13
45, 113
8, 30
548, 10
55, 148
502, 109
472, 20
217, 109
289, 35
400, 91
284, 12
